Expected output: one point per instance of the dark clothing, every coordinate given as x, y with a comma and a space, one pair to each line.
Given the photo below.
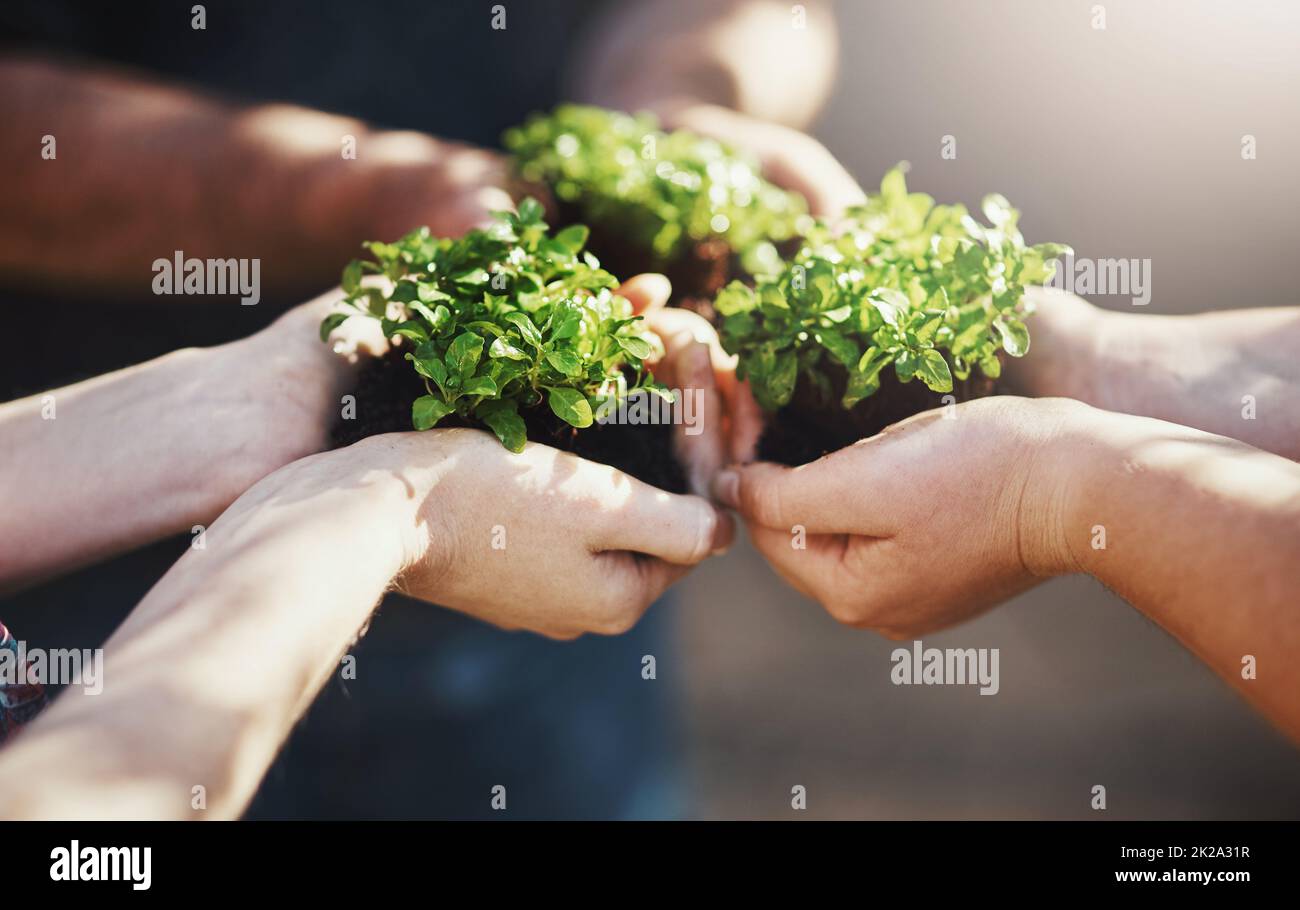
443, 708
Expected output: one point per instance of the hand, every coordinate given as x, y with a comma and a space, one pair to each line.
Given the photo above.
542, 540
789, 158
412, 179
401, 180
295, 382
926, 524
726, 419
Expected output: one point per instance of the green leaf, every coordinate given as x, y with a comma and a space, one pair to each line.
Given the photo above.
526, 328
530, 211
890, 303
573, 237
734, 298
479, 385
502, 417
933, 371
430, 368
377, 304
861, 385
990, 366
463, 354
332, 322
635, 345
1015, 337
428, 410
410, 329
565, 321
502, 348
567, 362
777, 387
570, 405
841, 348
352, 278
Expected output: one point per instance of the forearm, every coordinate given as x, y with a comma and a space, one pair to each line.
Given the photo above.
207, 676
141, 170
1201, 533
755, 57
1233, 372
124, 459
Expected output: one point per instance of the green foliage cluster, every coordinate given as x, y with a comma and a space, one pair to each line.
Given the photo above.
662, 190
924, 288
503, 319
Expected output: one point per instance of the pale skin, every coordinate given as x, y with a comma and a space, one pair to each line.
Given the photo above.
1201, 530
172, 442
1195, 370
752, 73
208, 674
543, 541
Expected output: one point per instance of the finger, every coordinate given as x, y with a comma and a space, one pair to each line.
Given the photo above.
470, 166
698, 438
803, 569
624, 587
471, 209
839, 494
647, 292
808, 168
746, 422
680, 529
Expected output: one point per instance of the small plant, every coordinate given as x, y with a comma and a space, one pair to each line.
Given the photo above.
905, 285
503, 320
659, 192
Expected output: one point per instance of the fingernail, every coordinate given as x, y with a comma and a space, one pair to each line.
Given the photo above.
726, 488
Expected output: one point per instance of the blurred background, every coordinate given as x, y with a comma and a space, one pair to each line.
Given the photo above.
1124, 141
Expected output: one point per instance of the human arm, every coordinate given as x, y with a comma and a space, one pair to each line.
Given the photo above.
1200, 532
121, 460
142, 169
753, 73
204, 680
1231, 372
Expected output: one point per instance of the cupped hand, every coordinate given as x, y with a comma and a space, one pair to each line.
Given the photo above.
541, 540
726, 421
926, 524
413, 180
789, 158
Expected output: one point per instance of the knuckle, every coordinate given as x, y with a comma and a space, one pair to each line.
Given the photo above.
762, 501
616, 607
848, 610
620, 618
706, 529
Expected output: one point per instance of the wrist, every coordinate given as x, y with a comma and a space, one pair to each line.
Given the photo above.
1058, 501
279, 395
1064, 355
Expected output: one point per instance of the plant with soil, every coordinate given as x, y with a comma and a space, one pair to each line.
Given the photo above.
512, 328
674, 202
881, 317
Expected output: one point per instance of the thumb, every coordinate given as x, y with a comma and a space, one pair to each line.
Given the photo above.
647, 292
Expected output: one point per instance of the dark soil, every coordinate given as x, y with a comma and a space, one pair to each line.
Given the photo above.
386, 386
808, 427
